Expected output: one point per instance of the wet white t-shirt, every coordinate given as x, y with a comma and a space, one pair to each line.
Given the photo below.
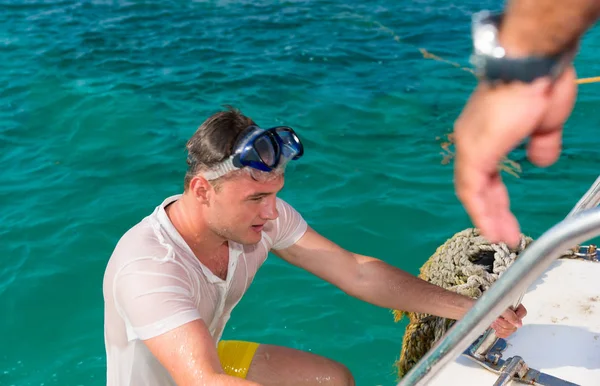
154, 283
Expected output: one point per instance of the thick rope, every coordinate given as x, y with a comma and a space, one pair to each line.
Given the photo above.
467, 264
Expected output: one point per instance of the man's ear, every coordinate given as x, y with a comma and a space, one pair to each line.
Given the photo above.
200, 188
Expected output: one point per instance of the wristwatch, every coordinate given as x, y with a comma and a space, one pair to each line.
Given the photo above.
493, 66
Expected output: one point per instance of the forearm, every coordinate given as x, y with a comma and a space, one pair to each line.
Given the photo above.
546, 27
389, 287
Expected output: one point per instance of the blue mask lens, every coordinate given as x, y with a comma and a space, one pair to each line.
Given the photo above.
263, 149
291, 147
266, 150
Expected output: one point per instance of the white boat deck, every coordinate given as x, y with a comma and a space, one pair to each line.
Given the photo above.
560, 334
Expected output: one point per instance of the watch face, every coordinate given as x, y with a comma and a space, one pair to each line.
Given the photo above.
485, 35
484, 39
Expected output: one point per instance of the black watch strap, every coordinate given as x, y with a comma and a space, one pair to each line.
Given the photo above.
521, 69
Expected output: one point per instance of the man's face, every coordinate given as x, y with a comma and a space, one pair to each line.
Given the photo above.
241, 207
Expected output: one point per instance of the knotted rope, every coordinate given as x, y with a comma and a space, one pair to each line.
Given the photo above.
467, 264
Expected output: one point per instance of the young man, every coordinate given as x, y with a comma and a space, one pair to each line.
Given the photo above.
175, 277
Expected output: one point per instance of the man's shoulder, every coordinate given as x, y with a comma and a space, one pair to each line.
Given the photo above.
143, 253
139, 236
142, 240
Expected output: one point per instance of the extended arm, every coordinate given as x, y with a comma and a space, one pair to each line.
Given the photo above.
379, 283
375, 281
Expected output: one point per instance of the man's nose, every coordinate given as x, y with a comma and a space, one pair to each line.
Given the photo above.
269, 209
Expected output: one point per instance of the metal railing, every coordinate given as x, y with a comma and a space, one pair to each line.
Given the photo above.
590, 199
580, 225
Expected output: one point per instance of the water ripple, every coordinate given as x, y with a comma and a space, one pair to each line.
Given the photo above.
99, 97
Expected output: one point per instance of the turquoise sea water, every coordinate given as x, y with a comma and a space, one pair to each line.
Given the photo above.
97, 99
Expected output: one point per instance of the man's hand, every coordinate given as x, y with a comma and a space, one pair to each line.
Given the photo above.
509, 322
495, 121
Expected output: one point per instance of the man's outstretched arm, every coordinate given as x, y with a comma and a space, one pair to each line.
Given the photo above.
495, 120
381, 284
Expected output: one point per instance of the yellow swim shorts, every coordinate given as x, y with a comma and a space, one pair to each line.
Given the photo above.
236, 356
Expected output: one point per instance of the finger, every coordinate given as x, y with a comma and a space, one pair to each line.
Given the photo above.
478, 188
521, 311
504, 224
496, 327
491, 212
480, 146
507, 226
509, 231
502, 332
471, 191
544, 147
501, 324
511, 317
562, 96
505, 325
470, 179
546, 143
